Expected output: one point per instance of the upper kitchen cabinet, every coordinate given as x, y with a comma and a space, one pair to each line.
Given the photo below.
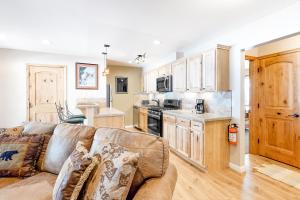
215, 65
179, 75
164, 70
194, 73
151, 80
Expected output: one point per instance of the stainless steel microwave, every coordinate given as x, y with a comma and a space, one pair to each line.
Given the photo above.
164, 84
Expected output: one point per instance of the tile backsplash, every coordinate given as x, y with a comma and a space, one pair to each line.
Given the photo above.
215, 102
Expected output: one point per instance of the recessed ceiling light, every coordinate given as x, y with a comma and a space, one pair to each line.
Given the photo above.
156, 42
46, 42
2, 37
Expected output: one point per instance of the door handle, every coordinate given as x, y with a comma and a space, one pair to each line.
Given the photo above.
296, 115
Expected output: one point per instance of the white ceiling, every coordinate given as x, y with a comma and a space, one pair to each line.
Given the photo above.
81, 27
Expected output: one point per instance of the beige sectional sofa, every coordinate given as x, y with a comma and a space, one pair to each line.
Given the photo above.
154, 179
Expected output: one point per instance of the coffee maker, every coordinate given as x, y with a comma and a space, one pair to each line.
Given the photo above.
199, 106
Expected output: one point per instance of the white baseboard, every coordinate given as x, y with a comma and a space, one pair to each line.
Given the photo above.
129, 126
237, 168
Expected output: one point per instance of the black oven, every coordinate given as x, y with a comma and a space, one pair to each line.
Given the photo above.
155, 122
164, 84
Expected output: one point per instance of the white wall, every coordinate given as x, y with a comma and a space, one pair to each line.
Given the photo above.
13, 81
279, 24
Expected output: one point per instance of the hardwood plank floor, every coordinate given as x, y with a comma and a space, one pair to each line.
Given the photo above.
193, 184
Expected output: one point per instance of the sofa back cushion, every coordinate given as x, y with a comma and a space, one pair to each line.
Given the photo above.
38, 128
63, 142
12, 131
154, 152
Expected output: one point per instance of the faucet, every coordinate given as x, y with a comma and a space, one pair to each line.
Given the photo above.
157, 101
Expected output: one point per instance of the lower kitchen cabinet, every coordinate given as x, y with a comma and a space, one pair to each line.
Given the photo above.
143, 120
202, 144
183, 137
169, 130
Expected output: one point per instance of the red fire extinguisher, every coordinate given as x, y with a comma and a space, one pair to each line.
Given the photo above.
232, 133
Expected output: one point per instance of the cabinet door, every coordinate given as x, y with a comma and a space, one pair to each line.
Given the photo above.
164, 70
165, 130
172, 134
209, 70
197, 146
194, 73
183, 139
179, 75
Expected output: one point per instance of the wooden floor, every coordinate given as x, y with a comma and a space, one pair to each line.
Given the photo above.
194, 184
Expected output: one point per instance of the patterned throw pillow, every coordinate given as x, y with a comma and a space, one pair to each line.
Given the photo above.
74, 173
12, 131
18, 154
113, 176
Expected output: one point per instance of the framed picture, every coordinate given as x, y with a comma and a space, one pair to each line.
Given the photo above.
86, 76
121, 85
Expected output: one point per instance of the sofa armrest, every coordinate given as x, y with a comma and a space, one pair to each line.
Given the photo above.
159, 188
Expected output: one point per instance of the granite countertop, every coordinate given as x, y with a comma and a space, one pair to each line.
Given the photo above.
191, 115
109, 112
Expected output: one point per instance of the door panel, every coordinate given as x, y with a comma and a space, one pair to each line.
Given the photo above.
278, 103
46, 86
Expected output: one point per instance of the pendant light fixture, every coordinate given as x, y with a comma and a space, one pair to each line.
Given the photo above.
106, 70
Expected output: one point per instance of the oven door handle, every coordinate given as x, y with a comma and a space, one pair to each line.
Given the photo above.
153, 116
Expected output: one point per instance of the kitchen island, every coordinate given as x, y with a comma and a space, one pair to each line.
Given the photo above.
102, 117
109, 117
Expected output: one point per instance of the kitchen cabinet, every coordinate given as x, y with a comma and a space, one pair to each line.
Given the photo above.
215, 65
203, 144
143, 119
169, 130
183, 137
164, 70
151, 80
179, 75
197, 143
194, 73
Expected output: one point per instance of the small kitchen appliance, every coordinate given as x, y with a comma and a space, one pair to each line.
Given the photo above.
199, 106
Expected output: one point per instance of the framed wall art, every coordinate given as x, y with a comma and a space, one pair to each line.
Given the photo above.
86, 76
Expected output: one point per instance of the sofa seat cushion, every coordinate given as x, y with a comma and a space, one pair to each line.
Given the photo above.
62, 144
38, 187
5, 181
154, 152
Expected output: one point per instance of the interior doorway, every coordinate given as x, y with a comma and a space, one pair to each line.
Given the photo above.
45, 87
274, 87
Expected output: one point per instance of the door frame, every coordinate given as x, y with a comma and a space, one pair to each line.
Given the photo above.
28, 77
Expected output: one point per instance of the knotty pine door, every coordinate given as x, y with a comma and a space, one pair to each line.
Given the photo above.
279, 107
46, 86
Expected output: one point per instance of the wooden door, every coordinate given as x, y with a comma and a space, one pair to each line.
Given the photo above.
46, 86
179, 75
278, 107
209, 70
197, 143
194, 73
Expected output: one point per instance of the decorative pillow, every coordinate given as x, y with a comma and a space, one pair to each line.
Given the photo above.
18, 154
74, 173
39, 128
12, 131
62, 144
113, 176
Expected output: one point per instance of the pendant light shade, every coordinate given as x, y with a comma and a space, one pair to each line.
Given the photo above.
106, 70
